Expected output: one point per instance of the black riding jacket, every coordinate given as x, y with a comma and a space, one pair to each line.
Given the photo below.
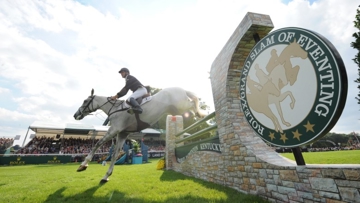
131, 83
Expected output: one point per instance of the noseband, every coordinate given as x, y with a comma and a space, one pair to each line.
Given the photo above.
87, 107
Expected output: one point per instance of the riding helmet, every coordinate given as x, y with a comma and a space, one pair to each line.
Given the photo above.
124, 70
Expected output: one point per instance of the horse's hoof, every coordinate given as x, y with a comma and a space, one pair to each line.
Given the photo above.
102, 181
292, 104
82, 168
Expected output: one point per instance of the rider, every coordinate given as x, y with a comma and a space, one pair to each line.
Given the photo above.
134, 85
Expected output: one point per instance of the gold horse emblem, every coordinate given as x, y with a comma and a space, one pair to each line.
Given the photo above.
266, 88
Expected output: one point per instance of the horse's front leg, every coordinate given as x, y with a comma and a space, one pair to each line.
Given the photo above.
83, 166
112, 163
120, 139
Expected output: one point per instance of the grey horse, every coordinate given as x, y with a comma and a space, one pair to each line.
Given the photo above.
171, 101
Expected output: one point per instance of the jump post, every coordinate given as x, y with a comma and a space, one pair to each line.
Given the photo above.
246, 163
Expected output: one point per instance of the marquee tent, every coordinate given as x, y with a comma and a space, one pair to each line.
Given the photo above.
79, 130
67, 129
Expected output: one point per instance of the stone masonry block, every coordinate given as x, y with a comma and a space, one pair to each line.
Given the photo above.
289, 175
350, 194
271, 187
352, 174
305, 187
324, 184
347, 183
333, 173
329, 195
287, 190
280, 197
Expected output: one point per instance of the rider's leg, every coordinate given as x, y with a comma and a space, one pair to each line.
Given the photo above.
132, 99
135, 105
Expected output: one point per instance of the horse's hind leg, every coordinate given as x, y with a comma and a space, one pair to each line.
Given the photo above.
119, 143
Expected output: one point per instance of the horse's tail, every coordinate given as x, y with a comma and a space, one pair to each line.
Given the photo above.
195, 99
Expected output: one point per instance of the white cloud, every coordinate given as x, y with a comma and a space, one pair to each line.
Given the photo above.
13, 115
4, 90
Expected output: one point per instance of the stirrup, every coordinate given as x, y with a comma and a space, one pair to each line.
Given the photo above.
132, 111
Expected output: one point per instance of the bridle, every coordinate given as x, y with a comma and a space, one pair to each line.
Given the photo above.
86, 108
83, 108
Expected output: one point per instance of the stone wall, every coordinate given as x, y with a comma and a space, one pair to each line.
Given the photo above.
246, 163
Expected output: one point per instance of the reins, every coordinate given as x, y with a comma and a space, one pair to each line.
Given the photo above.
86, 108
121, 103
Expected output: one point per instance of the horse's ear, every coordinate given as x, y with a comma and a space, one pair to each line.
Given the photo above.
92, 91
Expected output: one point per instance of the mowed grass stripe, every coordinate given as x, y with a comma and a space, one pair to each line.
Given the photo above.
128, 183
329, 157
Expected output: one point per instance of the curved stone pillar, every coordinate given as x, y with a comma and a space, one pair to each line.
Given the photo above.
233, 129
246, 163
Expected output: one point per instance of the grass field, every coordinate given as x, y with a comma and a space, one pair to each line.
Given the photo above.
128, 183
329, 157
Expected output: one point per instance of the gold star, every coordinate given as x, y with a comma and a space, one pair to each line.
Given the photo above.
283, 137
297, 134
309, 127
272, 136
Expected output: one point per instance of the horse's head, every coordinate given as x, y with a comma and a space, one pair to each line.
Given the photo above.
295, 50
292, 73
86, 108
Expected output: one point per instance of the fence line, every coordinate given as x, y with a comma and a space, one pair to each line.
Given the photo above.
197, 134
193, 126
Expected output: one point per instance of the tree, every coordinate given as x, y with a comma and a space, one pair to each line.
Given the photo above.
356, 45
153, 90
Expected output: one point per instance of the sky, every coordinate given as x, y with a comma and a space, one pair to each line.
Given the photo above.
52, 53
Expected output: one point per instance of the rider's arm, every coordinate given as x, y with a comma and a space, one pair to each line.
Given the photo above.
122, 92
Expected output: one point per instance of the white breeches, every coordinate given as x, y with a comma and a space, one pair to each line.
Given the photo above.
141, 91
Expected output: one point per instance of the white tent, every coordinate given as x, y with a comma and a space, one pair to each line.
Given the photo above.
79, 130
75, 130
151, 131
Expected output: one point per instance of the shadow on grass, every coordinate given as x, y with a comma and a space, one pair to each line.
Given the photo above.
232, 194
86, 196
170, 175
45, 165
116, 196
173, 176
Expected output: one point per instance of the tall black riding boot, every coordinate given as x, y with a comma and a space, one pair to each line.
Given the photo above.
135, 106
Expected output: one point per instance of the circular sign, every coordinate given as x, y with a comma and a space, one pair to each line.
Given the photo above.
293, 87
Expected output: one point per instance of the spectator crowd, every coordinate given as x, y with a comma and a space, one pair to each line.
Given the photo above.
5, 143
155, 145
50, 145
38, 145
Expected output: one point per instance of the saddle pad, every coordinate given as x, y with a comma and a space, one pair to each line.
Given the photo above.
144, 100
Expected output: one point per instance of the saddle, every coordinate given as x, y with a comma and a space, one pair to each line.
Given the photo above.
141, 100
